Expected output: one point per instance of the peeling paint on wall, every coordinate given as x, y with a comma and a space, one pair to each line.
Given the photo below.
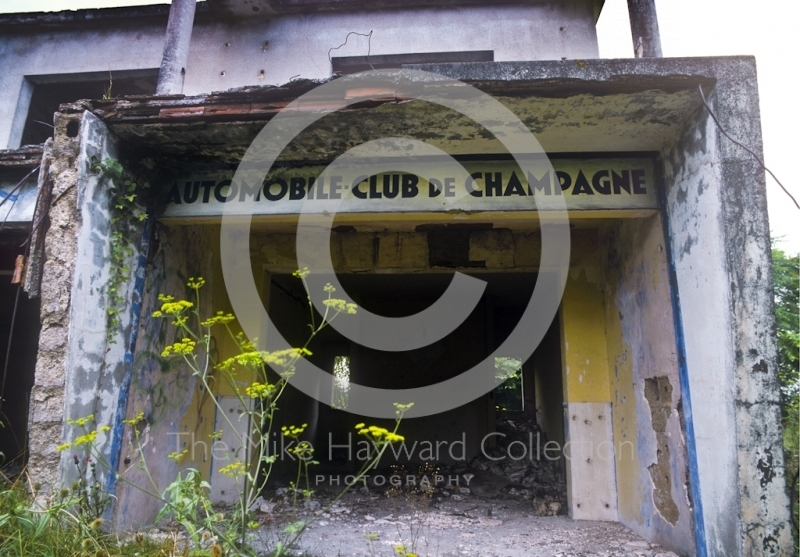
658, 393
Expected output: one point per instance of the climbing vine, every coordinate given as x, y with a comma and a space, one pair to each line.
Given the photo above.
126, 211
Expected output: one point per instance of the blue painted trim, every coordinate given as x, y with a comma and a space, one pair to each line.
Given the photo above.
683, 373
124, 390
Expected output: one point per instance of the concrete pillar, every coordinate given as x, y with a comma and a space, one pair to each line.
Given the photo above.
78, 371
644, 28
715, 205
176, 47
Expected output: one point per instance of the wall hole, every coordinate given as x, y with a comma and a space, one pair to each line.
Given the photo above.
73, 127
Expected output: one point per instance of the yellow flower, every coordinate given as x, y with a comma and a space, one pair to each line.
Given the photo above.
135, 420
63, 447
171, 307
81, 422
259, 390
301, 273
87, 439
220, 318
233, 470
177, 457
293, 430
379, 435
182, 348
341, 306
105, 428
196, 283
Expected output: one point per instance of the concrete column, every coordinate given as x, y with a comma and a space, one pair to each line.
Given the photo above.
644, 28
78, 372
715, 204
176, 47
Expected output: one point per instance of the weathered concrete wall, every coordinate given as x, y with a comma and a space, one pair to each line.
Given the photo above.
652, 474
164, 389
228, 54
719, 240
78, 371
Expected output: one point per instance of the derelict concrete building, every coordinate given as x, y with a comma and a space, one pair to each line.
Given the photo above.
664, 341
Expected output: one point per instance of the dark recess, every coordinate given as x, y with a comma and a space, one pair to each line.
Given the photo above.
47, 97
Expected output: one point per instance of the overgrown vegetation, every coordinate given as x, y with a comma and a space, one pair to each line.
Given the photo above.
787, 314
71, 523
57, 528
126, 214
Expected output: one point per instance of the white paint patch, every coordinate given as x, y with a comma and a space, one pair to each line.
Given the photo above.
591, 467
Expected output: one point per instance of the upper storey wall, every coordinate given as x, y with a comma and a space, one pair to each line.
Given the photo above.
229, 53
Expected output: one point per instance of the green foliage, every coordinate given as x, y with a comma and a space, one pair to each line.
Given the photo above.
188, 503
126, 213
787, 316
71, 524
786, 283
54, 530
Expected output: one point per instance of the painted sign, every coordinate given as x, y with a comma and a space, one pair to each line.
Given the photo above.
498, 185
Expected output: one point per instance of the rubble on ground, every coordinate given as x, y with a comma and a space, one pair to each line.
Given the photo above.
530, 476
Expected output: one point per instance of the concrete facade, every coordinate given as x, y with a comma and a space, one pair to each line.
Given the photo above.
259, 51
665, 339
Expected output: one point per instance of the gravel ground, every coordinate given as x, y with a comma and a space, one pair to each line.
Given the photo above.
366, 524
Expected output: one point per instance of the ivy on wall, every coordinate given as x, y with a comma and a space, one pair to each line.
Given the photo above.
126, 212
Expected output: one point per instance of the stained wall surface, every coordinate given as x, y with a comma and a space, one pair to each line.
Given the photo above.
229, 54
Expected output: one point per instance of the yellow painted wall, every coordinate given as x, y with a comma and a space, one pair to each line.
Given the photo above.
584, 353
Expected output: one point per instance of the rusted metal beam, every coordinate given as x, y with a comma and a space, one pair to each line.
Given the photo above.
176, 47
644, 28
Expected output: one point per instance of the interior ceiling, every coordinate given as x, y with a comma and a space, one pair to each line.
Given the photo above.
638, 121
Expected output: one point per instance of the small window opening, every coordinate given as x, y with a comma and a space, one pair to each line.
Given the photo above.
341, 382
508, 395
51, 91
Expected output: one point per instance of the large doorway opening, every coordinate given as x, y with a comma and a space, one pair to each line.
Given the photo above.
531, 394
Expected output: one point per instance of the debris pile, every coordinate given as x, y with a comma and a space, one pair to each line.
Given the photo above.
531, 473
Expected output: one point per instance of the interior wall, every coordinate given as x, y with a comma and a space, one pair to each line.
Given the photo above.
651, 466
